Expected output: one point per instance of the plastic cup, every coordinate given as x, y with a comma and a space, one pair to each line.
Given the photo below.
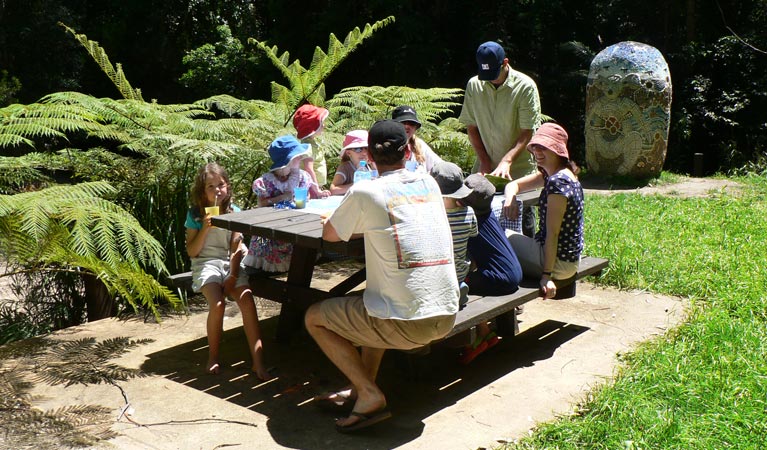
411, 165
299, 197
212, 210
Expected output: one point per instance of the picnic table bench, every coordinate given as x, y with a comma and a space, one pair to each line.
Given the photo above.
303, 229
482, 309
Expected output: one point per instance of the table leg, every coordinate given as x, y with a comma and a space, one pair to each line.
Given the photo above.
299, 274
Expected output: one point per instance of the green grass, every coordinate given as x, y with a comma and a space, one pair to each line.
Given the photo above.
704, 384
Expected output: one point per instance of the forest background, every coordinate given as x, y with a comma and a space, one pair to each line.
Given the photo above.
175, 52
209, 90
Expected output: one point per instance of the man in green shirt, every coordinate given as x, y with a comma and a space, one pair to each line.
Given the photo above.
501, 110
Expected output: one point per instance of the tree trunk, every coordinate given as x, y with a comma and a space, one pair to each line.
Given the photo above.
690, 22
99, 303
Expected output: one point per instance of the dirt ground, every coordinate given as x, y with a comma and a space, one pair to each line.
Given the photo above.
564, 350
684, 187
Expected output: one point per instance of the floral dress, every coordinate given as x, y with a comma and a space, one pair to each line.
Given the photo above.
267, 254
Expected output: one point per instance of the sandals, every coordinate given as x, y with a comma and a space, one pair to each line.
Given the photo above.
480, 345
365, 420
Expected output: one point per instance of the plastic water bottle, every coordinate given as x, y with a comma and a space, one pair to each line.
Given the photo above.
362, 172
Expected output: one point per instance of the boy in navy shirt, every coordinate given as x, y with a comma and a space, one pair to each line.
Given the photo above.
498, 270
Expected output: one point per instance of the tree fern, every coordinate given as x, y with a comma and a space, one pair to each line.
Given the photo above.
307, 85
67, 227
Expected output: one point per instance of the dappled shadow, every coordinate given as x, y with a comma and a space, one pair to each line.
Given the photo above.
416, 386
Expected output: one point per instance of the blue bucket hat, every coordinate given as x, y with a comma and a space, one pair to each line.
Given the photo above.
490, 58
285, 149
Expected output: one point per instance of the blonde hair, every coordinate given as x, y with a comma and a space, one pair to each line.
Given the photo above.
416, 146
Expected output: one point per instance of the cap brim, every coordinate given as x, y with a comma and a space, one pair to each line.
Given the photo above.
463, 192
408, 119
489, 75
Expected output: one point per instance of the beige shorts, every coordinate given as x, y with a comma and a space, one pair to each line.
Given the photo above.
348, 317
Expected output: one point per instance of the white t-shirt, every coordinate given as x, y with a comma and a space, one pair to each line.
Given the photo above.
408, 245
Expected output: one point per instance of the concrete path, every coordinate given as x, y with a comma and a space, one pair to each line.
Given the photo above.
565, 348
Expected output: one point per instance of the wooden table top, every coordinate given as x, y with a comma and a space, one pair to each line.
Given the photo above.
294, 226
302, 227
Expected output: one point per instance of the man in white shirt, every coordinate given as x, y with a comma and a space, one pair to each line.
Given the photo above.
411, 296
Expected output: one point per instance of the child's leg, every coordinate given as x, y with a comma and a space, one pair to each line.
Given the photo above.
214, 295
247, 304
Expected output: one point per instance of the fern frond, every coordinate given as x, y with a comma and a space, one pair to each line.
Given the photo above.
308, 84
65, 227
358, 106
14, 140
116, 75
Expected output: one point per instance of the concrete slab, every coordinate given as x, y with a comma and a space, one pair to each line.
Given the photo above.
564, 349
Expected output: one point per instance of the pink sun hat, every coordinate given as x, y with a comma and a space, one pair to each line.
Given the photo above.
355, 139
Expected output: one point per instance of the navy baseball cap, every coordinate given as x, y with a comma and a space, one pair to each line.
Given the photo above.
490, 56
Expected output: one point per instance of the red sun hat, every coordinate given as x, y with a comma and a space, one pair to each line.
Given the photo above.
308, 119
552, 137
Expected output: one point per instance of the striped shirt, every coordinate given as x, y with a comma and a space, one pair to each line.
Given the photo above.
463, 225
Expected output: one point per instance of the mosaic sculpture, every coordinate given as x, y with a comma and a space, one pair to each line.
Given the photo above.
628, 111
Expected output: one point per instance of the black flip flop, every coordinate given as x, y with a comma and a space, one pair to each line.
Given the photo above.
365, 421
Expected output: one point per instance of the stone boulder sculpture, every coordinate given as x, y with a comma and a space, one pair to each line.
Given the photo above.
628, 111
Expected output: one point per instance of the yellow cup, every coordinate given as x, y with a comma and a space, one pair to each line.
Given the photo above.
212, 210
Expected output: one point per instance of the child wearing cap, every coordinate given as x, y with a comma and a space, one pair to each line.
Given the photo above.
555, 251
355, 149
498, 269
463, 223
276, 188
309, 122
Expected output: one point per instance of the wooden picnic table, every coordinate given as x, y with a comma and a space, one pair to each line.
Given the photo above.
303, 229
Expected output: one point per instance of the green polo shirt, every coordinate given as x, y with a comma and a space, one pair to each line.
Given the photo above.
501, 114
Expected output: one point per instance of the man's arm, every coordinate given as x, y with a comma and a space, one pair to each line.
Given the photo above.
330, 234
485, 164
504, 166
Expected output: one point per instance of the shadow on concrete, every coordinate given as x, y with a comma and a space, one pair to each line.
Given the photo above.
416, 386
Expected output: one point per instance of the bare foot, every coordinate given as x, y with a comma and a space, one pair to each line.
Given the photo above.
262, 373
213, 367
340, 396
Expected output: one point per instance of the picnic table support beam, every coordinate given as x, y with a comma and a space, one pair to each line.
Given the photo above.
299, 274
